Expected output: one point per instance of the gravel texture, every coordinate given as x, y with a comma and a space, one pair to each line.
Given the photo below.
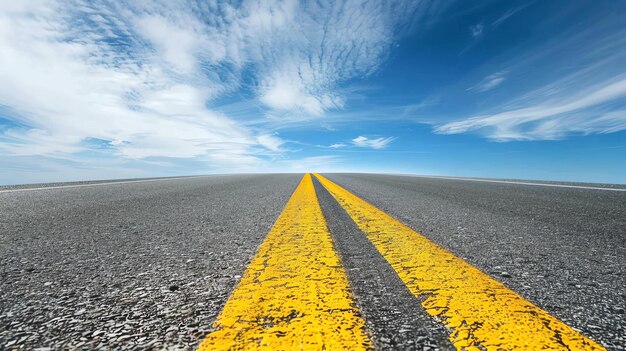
563, 249
149, 265
144, 265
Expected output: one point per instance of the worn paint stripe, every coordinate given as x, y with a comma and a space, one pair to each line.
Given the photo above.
295, 292
519, 182
481, 313
98, 184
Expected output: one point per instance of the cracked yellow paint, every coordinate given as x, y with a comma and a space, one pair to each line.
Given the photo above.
294, 295
481, 313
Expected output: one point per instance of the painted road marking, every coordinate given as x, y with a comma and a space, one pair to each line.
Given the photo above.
295, 292
98, 184
522, 183
482, 313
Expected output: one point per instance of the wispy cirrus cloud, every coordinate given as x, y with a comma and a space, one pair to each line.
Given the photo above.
271, 142
377, 143
552, 118
318, 45
538, 100
489, 82
510, 13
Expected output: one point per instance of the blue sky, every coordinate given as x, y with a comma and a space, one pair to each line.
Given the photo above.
505, 89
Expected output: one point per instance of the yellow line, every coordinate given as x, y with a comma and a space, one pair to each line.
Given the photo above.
481, 313
294, 294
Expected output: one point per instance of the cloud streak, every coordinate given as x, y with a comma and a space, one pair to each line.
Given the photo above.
583, 93
378, 143
489, 82
551, 120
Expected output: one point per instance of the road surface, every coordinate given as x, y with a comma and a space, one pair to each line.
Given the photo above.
152, 263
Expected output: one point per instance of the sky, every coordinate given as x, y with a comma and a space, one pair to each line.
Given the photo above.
146, 88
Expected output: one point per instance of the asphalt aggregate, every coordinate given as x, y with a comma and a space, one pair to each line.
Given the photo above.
564, 249
150, 264
142, 265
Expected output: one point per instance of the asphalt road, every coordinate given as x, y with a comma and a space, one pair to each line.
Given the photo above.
564, 249
150, 264
140, 264
393, 315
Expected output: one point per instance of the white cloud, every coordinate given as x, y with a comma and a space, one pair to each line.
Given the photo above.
67, 85
271, 142
337, 146
378, 143
284, 93
551, 119
178, 46
305, 50
139, 78
489, 82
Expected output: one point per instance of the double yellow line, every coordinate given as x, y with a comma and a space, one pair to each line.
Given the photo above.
295, 293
